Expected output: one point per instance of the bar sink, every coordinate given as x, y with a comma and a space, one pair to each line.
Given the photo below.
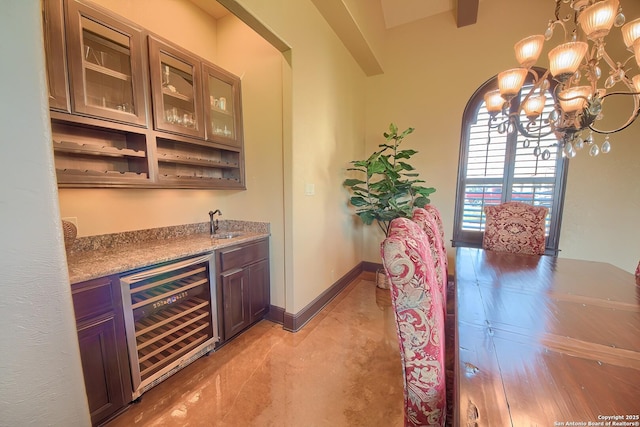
227, 234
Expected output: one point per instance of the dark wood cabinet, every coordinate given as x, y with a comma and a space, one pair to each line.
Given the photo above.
55, 52
244, 283
235, 291
179, 91
129, 110
103, 347
259, 290
106, 65
176, 89
223, 113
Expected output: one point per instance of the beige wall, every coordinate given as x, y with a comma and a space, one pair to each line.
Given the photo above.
41, 380
327, 128
432, 68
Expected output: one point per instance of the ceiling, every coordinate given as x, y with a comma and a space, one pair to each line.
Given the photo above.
213, 8
337, 14
399, 12
396, 12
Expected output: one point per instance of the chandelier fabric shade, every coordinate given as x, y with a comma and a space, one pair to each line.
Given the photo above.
565, 59
574, 99
510, 82
596, 20
528, 50
631, 32
534, 105
576, 73
494, 101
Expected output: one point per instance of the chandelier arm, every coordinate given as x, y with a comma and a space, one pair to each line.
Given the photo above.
626, 125
629, 84
561, 21
515, 119
630, 120
610, 62
537, 83
557, 11
621, 93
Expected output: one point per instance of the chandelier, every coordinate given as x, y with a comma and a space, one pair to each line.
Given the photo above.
574, 77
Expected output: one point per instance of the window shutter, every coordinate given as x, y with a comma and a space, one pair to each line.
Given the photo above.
498, 167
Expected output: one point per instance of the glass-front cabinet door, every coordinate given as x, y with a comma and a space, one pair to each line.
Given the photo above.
176, 89
53, 21
223, 113
106, 66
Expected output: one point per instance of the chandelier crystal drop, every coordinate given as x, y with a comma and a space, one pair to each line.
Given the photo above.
574, 75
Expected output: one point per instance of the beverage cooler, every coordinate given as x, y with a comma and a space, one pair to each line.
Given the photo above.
170, 317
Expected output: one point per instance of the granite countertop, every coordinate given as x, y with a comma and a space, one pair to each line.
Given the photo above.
100, 256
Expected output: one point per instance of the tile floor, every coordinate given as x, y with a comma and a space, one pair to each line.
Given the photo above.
342, 369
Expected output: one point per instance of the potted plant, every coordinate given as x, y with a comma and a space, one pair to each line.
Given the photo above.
390, 187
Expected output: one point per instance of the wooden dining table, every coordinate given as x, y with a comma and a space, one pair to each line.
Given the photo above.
545, 341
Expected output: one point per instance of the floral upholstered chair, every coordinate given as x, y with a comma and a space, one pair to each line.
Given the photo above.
436, 215
429, 225
449, 294
419, 315
515, 227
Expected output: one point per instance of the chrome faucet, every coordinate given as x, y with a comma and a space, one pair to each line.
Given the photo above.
213, 225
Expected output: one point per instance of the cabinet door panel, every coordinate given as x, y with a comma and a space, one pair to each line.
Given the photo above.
103, 348
176, 89
93, 298
240, 256
101, 367
106, 65
259, 291
54, 49
223, 113
235, 294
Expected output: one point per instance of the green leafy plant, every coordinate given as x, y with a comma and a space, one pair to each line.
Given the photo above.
391, 188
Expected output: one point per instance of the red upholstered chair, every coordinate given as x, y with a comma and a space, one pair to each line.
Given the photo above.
638, 274
429, 225
436, 214
515, 227
419, 315
449, 303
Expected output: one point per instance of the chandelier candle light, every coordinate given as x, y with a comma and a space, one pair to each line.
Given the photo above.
574, 66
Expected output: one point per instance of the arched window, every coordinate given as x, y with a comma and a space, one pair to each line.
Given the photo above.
497, 167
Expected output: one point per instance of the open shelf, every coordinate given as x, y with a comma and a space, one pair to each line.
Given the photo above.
101, 174
89, 155
97, 150
169, 158
200, 178
197, 163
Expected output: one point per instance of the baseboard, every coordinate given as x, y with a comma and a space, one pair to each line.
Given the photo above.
276, 314
295, 322
371, 266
